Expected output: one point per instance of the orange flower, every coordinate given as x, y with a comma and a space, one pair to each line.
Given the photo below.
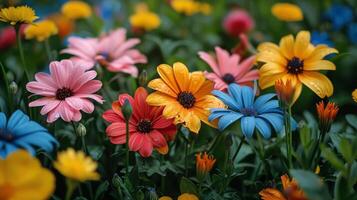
326, 115
291, 191
204, 164
285, 91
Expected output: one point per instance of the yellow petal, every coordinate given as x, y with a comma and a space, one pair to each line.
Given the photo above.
287, 46
171, 111
298, 89
268, 46
267, 81
163, 150
308, 51
319, 65
181, 75
301, 43
196, 81
317, 82
167, 75
269, 69
320, 52
205, 89
159, 85
193, 122
159, 99
271, 56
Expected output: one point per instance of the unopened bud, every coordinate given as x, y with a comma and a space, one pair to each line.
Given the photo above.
152, 194
127, 110
81, 130
143, 78
116, 181
10, 76
13, 87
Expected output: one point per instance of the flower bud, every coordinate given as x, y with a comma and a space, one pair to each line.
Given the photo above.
204, 164
326, 115
81, 130
13, 87
127, 110
152, 194
285, 92
116, 181
143, 78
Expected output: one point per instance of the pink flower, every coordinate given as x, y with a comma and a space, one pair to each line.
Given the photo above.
237, 22
227, 69
65, 91
112, 51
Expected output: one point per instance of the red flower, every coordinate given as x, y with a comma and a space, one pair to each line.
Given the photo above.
148, 129
7, 37
237, 22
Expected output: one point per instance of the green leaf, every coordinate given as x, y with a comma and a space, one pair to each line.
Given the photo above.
342, 190
311, 184
102, 188
305, 136
187, 186
329, 155
352, 120
345, 148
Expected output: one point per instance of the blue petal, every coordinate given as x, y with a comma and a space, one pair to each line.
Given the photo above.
248, 96
2, 121
235, 91
275, 119
9, 148
27, 128
218, 112
27, 147
228, 100
228, 119
260, 101
42, 140
16, 119
263, 127
267, 106
248, 125
2, 153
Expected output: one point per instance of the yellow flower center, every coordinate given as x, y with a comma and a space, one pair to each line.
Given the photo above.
144, 126
186, 99
6, 191
295, 66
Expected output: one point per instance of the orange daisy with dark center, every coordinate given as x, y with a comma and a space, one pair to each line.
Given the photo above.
186, 99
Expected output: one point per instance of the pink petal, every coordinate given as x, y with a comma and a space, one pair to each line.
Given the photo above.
41, 102
88, 106
136, 56
58, 74
136, 141
40, 89
65, 111
83, 79
75, 102
95, 97
77, 116
210, 61
223, 61
250, 76
52, 116
125, 46
245, 66
90, 87
85, 63
45, 79
51, 105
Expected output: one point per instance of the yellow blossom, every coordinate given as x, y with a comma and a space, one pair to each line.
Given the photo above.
165, 198
287, 12
41, 30
23, 177
19, 14
354, 95
187, 7
144, 19
76, 10
187, 196
76, 166
205, 8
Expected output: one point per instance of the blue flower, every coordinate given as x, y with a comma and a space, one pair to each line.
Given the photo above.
21, 132
262, 114
339, 15
352, 32
321, 38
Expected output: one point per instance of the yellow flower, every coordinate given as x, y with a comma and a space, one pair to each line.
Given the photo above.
19, 14
205, 8
187, 196
41, 30
297, 60
76, 10
76, 166
185, 96
144, 19
165, 198
187, 7
23, 177
65, 26
354, 95
287, 12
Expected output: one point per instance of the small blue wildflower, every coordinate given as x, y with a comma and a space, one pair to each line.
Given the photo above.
262, 113
339, 15
21, 132
352, 32
321, 38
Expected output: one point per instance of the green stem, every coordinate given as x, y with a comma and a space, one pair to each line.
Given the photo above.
238, 149
186, 159
21, 51
84, 146
288, 135
127, 149
6, 80
71, 186
261, 153
48, 50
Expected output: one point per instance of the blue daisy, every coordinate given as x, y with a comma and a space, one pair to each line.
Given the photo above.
263, 113
20, 132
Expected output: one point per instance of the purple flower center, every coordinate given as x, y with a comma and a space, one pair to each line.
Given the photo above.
186, 99
228, 78
144, 126
249, 112
295, 66
5, 136
63, 93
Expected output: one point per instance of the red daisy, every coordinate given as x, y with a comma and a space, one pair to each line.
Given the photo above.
147, 127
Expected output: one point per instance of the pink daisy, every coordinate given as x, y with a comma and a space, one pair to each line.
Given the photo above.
65, 91
112, 51
227, 69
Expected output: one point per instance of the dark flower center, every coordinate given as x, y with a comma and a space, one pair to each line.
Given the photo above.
249, 112
5, 136
186, 99
295, 66
228, 78
106, 56
63, 93
144, 126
